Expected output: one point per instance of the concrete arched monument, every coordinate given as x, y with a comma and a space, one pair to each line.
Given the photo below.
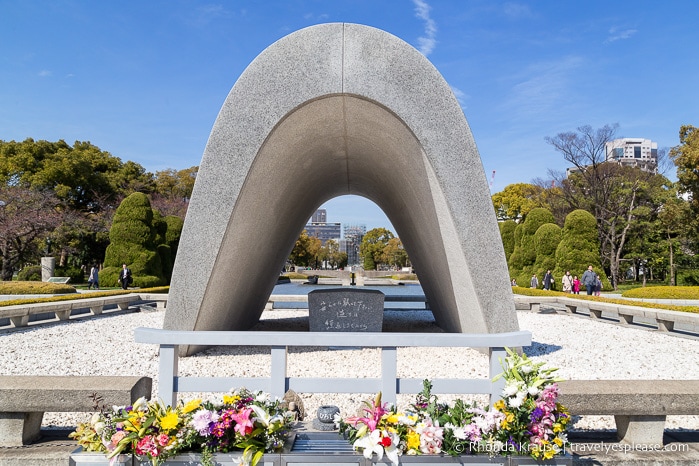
331, 110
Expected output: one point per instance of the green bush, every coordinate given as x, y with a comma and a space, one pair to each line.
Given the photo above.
66, 297
546, 240
32, 287
30, 273
531, 292
76, 274
507, 234
579, 247
523, 256
133, 242
663, 292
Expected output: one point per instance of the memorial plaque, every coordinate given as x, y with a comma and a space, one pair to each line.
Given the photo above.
345, 310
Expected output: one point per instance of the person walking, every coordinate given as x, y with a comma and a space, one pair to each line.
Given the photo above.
534, 282
125, 277
548, 280
598, 285
567, 282
589, 280
94, 278
576, 285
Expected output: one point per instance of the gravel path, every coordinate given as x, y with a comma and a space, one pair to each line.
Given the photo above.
580, 348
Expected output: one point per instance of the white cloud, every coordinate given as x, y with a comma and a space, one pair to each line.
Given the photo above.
45, 73
460, 95
541, 89
616, 33
517, 11
428, 41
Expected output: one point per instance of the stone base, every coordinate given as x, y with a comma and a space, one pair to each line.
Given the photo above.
19, 428
640, 430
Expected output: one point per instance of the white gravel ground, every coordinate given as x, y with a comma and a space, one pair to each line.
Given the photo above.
580, 348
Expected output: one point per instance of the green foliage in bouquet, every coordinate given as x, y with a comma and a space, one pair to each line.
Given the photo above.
244, 421
527, 421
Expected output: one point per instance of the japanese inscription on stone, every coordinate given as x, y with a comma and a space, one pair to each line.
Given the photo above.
345, 310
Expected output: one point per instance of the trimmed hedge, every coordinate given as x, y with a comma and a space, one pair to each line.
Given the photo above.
99, 294
663, 292
32, 287
532, 292
133, 242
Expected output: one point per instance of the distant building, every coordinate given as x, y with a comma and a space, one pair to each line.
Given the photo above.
353, 236
324, 231
321, 216
633, 152
629, 152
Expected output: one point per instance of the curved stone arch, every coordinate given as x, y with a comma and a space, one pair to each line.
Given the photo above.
330, 110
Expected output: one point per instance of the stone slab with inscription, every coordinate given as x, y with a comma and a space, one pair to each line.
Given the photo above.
345, 310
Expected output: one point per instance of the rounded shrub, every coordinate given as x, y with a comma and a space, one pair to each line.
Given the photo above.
507, 234
76, 274
30, 273
546, 241
133, 242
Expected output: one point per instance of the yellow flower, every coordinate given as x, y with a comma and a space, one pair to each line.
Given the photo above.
499, 405
509, 418
558, 441
230, 399
392, 419
170, 420
413, 440
557, 428
191, 406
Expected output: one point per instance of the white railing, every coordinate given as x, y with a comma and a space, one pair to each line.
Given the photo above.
170, 382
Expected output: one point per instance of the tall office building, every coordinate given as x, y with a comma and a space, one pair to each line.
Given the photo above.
319, 228
633, 152
353, 235
321, 216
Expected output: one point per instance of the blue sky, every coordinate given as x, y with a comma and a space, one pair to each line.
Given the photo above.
145, 80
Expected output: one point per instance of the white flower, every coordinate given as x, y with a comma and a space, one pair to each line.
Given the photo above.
141, 404
533, 391
526, 369
458, 431
510, 389
517, 401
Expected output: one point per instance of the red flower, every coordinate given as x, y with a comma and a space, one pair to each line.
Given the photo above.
386, 441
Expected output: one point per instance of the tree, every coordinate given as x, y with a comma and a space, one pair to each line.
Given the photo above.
27, 217
305, 251
686, 159
546, 241
373, 245
523, 257
579, 245
507, 234
133, 242
517, 200
611, 192
394, 254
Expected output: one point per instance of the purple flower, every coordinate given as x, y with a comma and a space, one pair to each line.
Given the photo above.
202, 419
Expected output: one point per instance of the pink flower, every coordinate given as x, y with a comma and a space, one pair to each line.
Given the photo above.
163, 440
243, 422
116, 438
146, 446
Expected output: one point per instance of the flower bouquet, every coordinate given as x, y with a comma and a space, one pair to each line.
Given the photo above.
384, 431
527, 421
147, 429
533, 423
244, 421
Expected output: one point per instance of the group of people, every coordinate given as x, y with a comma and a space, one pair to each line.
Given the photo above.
125, 278
571, 283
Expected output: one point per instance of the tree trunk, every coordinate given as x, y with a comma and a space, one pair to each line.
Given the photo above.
672, 263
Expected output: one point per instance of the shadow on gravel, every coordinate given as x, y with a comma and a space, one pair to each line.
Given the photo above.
540, 349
